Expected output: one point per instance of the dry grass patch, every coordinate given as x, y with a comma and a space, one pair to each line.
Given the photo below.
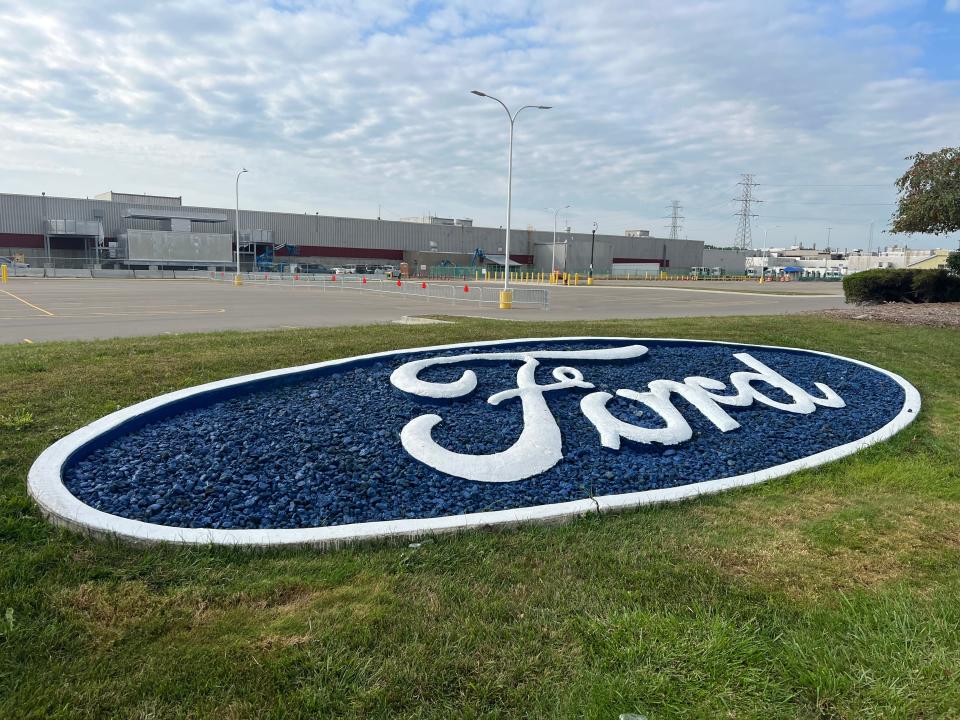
271, 643
824, 541
109, 610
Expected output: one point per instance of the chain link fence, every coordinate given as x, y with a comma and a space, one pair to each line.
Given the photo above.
469, 293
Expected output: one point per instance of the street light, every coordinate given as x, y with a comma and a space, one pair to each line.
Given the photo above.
512, 118
553, 256
763, 263
237, 280
593, 240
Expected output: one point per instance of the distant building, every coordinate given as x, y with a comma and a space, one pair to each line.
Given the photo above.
127, 230
434, 220
134, 199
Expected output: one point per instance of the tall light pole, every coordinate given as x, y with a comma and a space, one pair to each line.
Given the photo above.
826, 260
236, 279
593, 240
763, 262
553, 255
512, 118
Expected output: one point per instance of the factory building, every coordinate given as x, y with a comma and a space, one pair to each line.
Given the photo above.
145, 231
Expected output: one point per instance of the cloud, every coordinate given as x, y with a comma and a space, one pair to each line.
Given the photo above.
952, 6
341, 107
870, 8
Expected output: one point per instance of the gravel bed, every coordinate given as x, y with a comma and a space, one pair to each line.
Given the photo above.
930, 314
323, 448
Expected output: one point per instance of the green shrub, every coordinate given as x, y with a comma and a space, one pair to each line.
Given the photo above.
953, 262
901, 285
877, 286
936, 286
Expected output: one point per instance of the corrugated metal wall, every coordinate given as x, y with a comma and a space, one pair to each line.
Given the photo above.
23, 213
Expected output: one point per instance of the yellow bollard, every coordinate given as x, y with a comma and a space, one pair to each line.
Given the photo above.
576, 279
589, 280
237, 280
506, 299
3, 273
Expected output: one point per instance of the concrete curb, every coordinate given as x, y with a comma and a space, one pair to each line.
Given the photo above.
45, 484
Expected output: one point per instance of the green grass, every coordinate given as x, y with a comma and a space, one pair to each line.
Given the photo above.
828, 594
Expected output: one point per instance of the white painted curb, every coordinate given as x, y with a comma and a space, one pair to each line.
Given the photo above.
45, 483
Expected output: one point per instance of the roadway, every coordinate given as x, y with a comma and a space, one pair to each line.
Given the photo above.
37, 310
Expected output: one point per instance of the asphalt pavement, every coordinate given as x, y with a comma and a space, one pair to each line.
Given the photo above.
42, 309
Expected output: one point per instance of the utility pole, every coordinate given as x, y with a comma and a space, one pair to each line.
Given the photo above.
43, 228
744, 237
676, 220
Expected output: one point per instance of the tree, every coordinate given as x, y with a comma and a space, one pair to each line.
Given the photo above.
929, 199
953, 262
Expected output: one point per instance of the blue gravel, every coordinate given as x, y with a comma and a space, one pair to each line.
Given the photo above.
323, 448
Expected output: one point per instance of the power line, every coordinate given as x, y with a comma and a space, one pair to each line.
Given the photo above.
886, 185
819, 202
842, 221
743, 240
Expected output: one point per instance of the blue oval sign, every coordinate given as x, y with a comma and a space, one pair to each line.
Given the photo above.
442, 438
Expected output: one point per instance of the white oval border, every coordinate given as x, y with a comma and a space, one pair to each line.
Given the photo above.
45, 484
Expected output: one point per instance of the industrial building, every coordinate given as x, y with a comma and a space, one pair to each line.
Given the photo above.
826, 263
147, 231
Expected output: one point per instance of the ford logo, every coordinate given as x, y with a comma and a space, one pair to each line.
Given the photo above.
437, 439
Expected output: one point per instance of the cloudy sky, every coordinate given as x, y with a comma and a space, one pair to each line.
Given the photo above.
347, 106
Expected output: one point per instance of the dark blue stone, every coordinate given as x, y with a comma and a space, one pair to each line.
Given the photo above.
270, 460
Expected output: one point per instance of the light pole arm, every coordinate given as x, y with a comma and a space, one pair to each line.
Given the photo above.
512, 119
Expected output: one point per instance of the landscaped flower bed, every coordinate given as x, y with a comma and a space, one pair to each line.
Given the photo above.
322, 447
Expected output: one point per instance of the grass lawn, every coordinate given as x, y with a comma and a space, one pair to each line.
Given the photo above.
832, 593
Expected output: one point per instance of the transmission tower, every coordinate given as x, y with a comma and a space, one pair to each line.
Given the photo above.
744, 236
676, 220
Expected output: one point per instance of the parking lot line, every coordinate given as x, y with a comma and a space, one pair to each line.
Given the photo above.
26, 302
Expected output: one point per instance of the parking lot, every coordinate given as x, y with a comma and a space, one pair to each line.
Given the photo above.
36, 310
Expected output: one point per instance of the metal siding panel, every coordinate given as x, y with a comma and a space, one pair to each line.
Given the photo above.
201, 248
22, 214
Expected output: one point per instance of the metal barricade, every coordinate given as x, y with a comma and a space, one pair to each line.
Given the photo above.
427, 290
